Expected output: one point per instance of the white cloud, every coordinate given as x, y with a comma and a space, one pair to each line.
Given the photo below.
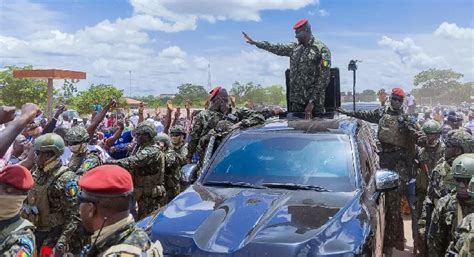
31, 16
172, 52
212, 11
323, 13
411, 54
452, 31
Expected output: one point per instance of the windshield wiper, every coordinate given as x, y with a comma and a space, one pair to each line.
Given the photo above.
232, 184
294, 186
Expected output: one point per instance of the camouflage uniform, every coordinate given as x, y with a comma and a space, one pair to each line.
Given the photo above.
206, 120
441, 180
51, 204
463, 243
16, 237
396, 131
428, 157
125, 240
449, 211
147, 166
86, 159
309, 72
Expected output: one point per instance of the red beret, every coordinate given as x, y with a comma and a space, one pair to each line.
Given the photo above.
16, 176
300, 23
107, 180
398, 91
214, 92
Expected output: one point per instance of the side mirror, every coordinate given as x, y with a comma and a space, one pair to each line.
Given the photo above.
188, 174
386, 180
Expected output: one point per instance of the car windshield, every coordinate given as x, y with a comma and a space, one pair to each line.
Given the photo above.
323, 160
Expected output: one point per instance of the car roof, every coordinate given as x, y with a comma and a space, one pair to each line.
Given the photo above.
340, 124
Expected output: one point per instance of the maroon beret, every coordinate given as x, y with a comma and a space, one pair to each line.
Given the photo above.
107, 180
300, 23
214, 92
16, 176
398, 91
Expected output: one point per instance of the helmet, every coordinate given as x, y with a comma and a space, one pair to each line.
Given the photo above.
146, 127
50, 142
470, 188
431, 127
460, 138
178, 129
463, 166
163, 138
77, 134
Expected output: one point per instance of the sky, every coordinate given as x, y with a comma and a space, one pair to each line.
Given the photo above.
149, 47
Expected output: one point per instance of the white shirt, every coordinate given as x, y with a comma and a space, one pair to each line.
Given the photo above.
410, 100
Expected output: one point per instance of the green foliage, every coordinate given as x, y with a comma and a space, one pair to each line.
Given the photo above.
16, 92
197, 94
84, 101
67, 92
272, 95
442, 86
368, 95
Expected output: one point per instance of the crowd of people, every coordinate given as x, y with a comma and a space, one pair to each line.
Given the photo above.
78, 186
433, 154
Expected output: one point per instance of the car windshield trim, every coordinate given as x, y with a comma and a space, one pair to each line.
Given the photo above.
294, 186
233, 184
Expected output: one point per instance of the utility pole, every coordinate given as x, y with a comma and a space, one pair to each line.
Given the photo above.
130, 84
209, 85
353, 67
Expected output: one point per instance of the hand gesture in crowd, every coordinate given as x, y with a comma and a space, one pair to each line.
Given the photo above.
177, 113
29, 111
112, 103
248, 39
169, 106
59, 111
7, 114
187, 104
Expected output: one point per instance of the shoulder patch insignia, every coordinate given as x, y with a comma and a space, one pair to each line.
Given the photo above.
71, 188
23, 253
27, 243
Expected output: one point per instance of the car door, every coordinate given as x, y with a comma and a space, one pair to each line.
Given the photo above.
374, 200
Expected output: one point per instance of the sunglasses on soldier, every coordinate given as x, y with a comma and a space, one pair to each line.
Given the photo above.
396, 98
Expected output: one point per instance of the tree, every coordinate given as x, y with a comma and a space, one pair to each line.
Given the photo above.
16, 92
368, 95
274, 95
197, 94
435, 83
441, 86
68, 89
84, 101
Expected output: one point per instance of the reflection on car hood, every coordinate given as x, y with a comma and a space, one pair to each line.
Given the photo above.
226, 220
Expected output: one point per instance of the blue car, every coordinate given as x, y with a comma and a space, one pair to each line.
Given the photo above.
286, 188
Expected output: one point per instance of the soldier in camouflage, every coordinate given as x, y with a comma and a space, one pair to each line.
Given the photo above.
172, 169
16, 233
82, 159
206, 120
51, 204
428, 156
397, 133
179, 145
147, 166
105, 201
451, 209
310, 63
463, 243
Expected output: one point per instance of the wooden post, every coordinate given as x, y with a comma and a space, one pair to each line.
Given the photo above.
50, 99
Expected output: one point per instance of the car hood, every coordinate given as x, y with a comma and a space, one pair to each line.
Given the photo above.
225, 220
